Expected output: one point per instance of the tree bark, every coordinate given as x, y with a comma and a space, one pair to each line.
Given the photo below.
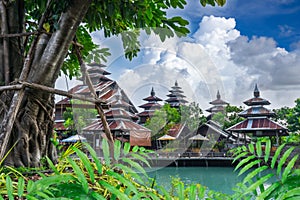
33, 126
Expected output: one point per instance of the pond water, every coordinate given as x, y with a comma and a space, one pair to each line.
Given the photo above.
221, 179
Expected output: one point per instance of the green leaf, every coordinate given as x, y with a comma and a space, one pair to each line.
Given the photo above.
251, 148
274, 159
86, 162
239, 156
260, 181
106, 155
51, 165
80, 175
42, 194
117, 149
123, 180
30, 186
141, 158
180, 190
21, 187
97, 196
135, 148
258, 149
113, 190
267, 150
135, 165
9, 188
295, 192
268, 191
55, 179
248, 166
288, 168
283, 159
244, 161
221, 2
126, 148
166, 193
254, 173
193, 192
95, 157
149, 14
201, 191
130, 171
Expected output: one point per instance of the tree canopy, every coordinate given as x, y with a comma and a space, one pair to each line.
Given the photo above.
40, 38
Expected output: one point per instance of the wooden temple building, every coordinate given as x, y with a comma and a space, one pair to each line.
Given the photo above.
176, 97
257, 121
121, 113
212, 130
218, 105
149, 107
121, 123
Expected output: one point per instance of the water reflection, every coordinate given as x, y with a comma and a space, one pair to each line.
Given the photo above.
221, 179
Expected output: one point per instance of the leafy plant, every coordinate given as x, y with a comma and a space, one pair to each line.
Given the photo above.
79, 176
280, 165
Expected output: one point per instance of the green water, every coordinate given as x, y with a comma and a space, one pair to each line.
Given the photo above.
221, 179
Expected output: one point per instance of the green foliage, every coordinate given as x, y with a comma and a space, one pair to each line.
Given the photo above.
291, 118
213, 2
232, 116
84, 177
254, 184
192, 115
79, 176
123, 18
219, 117
163, 120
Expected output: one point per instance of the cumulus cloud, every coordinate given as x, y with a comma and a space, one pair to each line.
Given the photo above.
220, 58
216, 57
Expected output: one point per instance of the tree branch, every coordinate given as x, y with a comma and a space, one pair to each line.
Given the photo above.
20, 34
23, 84
87, 80
4, 30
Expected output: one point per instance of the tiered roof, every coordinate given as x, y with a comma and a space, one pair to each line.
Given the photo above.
106, 89
218, 105
149, 107
121, 124
176, 97
258, 119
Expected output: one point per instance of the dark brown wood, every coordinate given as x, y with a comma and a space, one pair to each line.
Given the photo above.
87, 80
4, 30
19, 34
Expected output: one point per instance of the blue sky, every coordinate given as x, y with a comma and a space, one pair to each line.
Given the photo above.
271, 18
229, 49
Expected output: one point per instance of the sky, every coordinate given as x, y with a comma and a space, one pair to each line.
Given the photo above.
229, 49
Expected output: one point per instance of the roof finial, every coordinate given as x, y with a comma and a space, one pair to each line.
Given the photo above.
176, 83
218, 95
256, 91
152, 92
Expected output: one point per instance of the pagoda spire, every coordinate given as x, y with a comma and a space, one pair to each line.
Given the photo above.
218, 95
256, 91
149, 107
152, 92
176, 83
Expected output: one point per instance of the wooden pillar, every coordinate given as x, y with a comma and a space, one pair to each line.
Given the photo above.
277, 139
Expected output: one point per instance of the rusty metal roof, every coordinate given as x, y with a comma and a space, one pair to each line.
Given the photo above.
256, 123
151, 106
256, 101
256, 111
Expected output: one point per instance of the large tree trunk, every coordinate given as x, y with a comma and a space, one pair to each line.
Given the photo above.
33, 125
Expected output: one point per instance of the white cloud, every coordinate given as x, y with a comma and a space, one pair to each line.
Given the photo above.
217, 57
